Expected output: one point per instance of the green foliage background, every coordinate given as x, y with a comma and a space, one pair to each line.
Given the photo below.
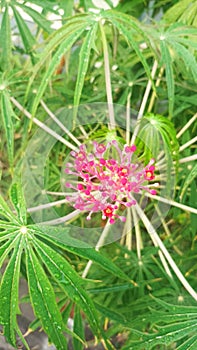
93, 56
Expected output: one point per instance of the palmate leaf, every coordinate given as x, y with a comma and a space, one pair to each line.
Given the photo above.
63, 48
9, 290
184, 11
78, 329
6, 212
69, 281
18, 201
5, 40
44, 301
155, 127
176, 43
84, 57
128, 26
28, 39
38, 18
7, 114
167, 335
167, 62
192, 175
60, 238
173, 322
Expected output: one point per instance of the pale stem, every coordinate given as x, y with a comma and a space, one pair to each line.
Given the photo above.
47, 205
162, 165
187, 144
57, 193
83, 131
65, 218
154, 236
188, 159
154, 94
98, 246
144, 102
137, 233
128, 230
42, 125
56, 120
107, 79
171, 202
187, 125
128, 118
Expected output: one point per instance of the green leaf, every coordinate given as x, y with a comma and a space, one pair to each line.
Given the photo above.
60, 237
72, 25
188, 58
68, 280
128, 28
167, 335
112, 314
6, 212
63, 48
6, 248
28, 39
84, 58
189, 344
167, 61
5, 40
155, 127
176, 321
78, 329
41, 20
9, 293
67, 6
44, 301
184, 11
188, 181
17, 198
7, 113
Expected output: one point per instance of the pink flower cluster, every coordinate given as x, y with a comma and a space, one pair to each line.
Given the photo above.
106, 178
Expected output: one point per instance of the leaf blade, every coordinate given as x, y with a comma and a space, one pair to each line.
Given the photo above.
7, 112
9, 293
69, 281
43, 300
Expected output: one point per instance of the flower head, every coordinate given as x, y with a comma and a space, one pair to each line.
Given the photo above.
107, 178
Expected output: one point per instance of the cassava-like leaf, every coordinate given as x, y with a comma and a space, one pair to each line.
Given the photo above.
73, 25
7, 114
5, 40
191, 176
6, 212
84, 57
184, 11
155, 127
68, 280
167, 61
63, 48
44, 301
189, 344
128, 27
9, 293
166, 335
78, 329
28, 39
17, 198
38, 18
60, 238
